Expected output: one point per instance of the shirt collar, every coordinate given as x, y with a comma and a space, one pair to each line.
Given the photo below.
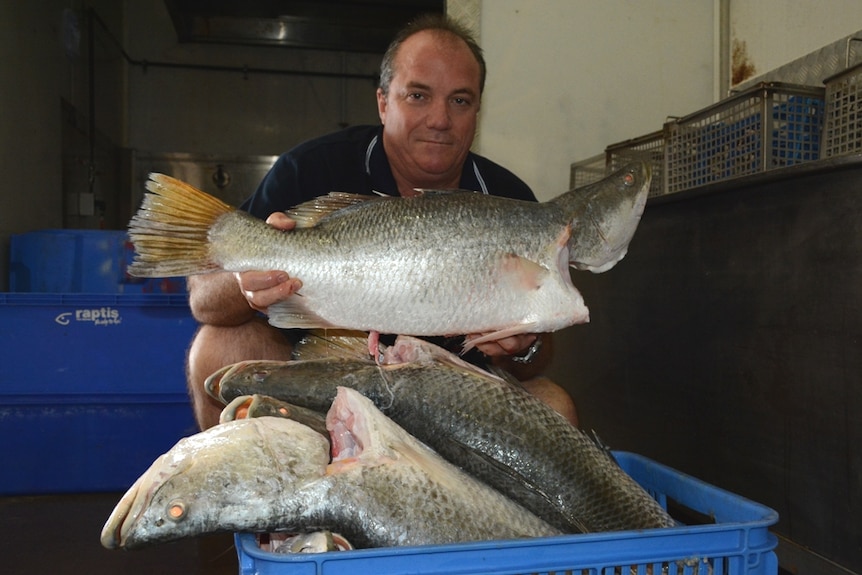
379, 172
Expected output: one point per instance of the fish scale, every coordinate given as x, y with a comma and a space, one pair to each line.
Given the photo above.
271, 474
347, 264
494, 430
440, 263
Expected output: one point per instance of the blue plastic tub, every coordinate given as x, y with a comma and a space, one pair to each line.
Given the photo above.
79, 261
737, 542
92, 388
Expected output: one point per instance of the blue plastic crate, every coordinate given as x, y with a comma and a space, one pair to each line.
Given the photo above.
92, 388
79, 261
738, 542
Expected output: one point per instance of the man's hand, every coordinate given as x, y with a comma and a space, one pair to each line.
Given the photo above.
263, 288
514, 355
508, 346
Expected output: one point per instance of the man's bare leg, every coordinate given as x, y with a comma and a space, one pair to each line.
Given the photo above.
214, 347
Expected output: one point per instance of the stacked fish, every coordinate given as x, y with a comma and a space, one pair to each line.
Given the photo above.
417, 446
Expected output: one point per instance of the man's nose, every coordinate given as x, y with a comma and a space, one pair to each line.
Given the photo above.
439, 116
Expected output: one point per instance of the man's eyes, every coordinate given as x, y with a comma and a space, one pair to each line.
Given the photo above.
461, 101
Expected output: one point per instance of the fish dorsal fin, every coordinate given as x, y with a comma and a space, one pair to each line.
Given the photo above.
432, 192
308, 214
332, 343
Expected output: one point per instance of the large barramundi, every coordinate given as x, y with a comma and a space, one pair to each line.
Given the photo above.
493, 429
440, 263
382, 488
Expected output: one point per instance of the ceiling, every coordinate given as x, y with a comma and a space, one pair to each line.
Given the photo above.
344, 25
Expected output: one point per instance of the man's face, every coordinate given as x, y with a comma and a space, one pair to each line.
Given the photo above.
430, 113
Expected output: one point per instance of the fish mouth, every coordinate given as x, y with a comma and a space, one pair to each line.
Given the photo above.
212, 384
238, 408
115, 533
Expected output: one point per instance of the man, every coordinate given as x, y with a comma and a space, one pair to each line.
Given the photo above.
432, 77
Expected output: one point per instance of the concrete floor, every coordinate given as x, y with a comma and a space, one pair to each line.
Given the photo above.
59, 535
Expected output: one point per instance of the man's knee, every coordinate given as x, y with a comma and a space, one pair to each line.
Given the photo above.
554, 396
214, 347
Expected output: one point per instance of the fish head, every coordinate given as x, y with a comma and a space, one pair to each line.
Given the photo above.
248, 406
305, 382
222, 479
251, 374
604, 216
158, 507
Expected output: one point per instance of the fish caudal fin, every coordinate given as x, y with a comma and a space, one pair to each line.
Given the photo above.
170, 229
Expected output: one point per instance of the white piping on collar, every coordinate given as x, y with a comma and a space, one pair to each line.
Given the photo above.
479, 178
368, 155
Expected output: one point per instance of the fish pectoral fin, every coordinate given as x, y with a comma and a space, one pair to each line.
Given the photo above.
308, 214
522, 273
293, 314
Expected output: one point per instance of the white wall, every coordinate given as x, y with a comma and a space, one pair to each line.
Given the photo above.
568, 78
775, 32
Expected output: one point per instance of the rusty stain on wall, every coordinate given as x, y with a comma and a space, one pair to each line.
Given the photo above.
741, 67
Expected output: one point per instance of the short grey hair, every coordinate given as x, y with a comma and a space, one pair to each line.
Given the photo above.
435, 22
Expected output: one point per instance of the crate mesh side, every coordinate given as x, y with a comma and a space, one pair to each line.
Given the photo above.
843, 129
769, 129
722, 144
795, 130
650, 151
587, 171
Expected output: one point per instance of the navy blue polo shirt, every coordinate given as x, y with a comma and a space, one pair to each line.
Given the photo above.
353, 160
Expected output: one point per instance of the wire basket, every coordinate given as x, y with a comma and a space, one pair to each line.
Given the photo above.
842, 131
649, 148
771, 125
587, 171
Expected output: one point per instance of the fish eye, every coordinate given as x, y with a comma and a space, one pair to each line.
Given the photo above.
176, 510
629, 179
259, 376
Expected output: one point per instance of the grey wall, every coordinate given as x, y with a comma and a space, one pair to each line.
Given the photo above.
728, 344
231, 112
45, 102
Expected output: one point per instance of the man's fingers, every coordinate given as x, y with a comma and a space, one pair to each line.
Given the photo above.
511, 345
262, 289
281, 221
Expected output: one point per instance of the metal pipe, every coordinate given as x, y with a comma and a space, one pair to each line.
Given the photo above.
91, 87
244, 70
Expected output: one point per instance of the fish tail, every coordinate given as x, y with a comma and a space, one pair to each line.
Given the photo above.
170, 230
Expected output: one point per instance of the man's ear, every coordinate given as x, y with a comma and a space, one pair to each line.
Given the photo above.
381, 106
